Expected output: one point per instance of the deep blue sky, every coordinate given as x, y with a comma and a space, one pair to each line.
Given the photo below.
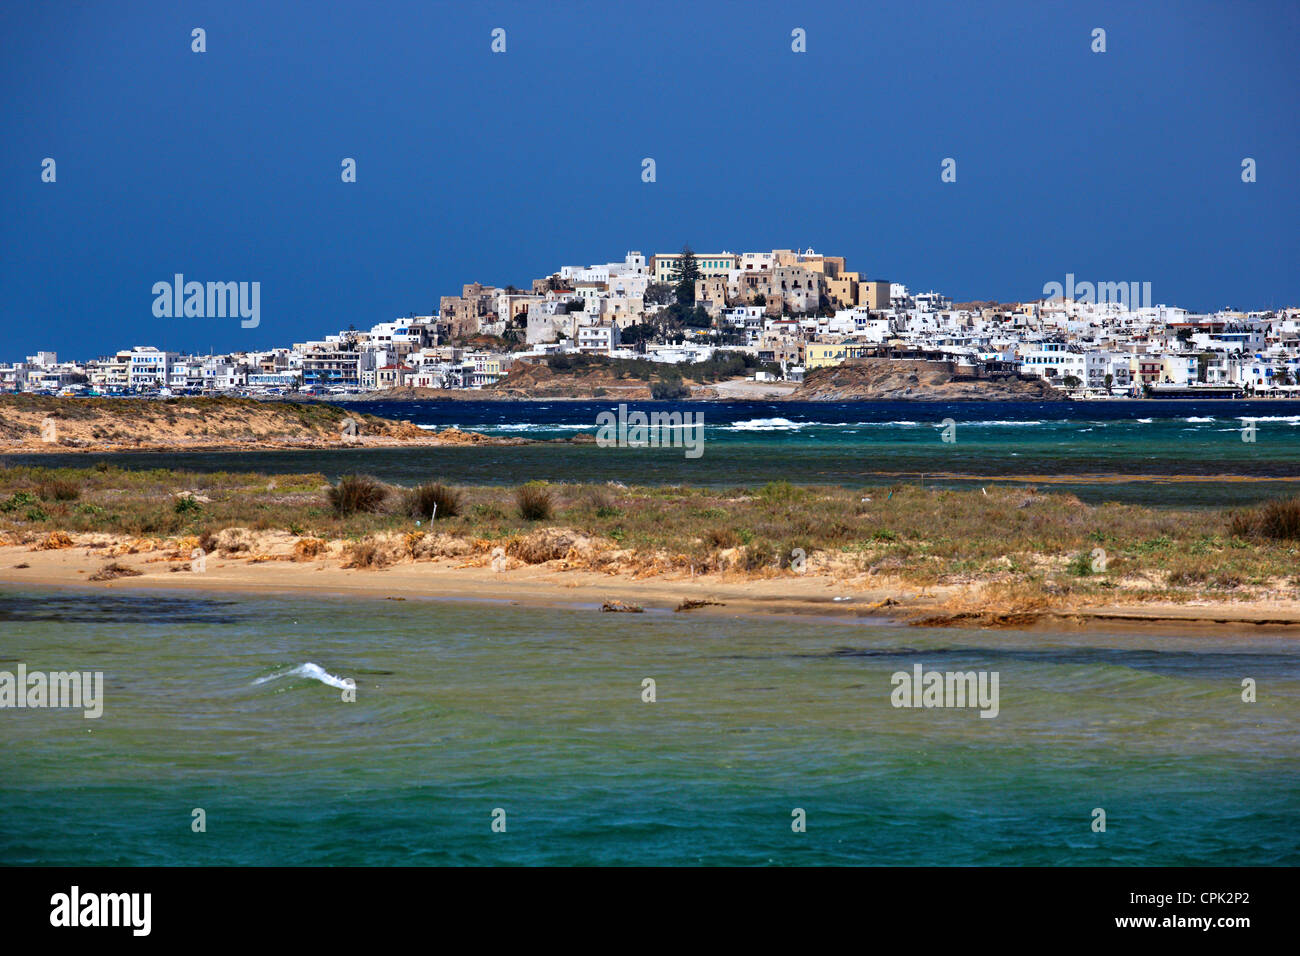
225, 165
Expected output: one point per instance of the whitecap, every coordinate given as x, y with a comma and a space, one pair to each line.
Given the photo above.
536, 427
315, 672
765, 425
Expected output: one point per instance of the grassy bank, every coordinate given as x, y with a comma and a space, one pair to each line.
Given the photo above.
47, 422
1023, 547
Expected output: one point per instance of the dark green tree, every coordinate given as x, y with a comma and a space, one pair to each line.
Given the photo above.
698, 318
658, 293
688, 271
637, 333
666, 391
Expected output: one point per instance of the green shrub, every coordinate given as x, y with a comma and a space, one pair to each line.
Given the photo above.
18, 500
666, 391
780, 492
1080, 565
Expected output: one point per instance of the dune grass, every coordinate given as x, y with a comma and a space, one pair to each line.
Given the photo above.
431, 500
357, 494
535, 502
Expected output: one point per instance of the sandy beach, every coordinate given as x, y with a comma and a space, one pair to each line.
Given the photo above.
553, 584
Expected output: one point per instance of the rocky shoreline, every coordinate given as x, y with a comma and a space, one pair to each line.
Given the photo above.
886, 380
858, 380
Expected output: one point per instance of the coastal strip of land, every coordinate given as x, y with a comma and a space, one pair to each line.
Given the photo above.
34, 424
996, 557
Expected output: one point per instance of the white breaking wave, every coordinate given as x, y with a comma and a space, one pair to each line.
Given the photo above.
907, 423
785, 424
315, 672
1289, 419
535, 427
1198, 421
515, 427
834, 424
765, 425
1001, 422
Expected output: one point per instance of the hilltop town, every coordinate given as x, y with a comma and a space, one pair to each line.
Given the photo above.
772, 318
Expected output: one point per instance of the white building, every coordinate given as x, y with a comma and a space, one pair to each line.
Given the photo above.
148, 368
600, 339
1054, 361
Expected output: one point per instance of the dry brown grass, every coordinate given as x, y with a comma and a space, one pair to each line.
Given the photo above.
1278, 520
356, 494
433, 499
308, 549
113, 570
54, 541
535, 502
366, 553
59, 489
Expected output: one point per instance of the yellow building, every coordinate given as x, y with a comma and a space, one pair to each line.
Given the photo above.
663, 266
843, 290
874, 294
822, 354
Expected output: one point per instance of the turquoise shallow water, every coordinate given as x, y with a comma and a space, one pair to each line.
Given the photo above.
463, 707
